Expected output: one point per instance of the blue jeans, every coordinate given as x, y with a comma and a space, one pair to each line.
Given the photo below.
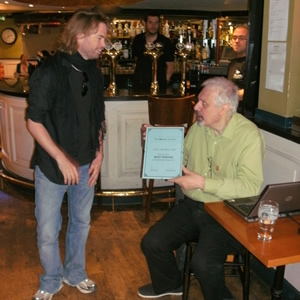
48, 202
185, 222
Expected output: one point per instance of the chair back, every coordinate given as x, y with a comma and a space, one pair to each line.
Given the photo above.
171, 110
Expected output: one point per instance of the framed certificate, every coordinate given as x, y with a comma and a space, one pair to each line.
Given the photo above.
163, 152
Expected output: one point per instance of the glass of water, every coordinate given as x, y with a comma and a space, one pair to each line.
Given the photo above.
268, 213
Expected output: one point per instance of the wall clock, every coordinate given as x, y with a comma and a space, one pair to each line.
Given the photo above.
9, 35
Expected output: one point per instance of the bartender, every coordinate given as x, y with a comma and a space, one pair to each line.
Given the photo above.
165, 63
237, 67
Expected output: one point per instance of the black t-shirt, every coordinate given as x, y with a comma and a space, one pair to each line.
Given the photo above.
83, 107
236, 71
143, 70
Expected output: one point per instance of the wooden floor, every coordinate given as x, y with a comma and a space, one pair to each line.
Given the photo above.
114, 259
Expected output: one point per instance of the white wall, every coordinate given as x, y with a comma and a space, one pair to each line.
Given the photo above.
282, 164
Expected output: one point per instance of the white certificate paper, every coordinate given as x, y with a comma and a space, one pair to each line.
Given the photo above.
163, 152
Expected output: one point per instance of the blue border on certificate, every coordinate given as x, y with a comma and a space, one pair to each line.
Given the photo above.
163, 152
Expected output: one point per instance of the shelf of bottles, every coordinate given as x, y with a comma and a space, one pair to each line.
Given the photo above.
123, 31
207, 36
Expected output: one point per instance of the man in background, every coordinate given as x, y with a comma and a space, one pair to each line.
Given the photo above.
165, 63
237, 67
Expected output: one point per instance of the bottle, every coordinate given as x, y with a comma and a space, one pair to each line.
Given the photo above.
120, 29
212, 52
167, 31
210, 31
130, 50
204, 53
126, 30
207, 51
132, 30
142, 27
180, 32
189, 32
114, 30
197, 51
172, 30
138, 28
194, 31
125, 50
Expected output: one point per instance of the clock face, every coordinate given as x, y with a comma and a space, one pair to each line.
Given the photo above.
8, 36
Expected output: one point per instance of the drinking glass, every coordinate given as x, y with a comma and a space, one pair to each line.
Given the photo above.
267, 214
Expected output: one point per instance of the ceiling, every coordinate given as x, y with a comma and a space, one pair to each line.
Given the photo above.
190, 5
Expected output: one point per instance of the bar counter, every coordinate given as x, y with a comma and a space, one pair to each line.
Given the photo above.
125, 112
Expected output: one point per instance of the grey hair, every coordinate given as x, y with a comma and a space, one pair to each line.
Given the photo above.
226, 92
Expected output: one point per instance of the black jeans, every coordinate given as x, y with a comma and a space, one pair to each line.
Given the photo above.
189, 221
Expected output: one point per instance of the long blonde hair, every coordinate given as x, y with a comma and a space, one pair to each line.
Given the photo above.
83, 21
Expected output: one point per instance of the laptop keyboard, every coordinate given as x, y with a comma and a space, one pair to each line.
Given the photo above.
245, 207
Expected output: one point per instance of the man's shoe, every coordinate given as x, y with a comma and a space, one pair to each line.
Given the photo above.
42, 295
86, 286
147, 291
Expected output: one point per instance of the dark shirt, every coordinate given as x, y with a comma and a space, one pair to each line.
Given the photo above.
236, 71
53, 102
31, 68
143, 70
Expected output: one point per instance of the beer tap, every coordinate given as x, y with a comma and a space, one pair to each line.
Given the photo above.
112, 51
183, 51
155, 51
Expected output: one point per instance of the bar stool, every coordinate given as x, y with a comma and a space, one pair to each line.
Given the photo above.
237, 264
167, 110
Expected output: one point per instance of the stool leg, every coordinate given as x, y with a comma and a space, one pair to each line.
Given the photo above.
246, 285
149, 200
186, 272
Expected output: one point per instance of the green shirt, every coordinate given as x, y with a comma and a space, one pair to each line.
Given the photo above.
232, 162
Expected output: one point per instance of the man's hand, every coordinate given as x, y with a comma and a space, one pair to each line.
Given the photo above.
190, 180
67, 166
69, 170
143, 130
95, 168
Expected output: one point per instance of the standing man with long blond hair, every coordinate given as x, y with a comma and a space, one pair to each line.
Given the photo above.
66, 118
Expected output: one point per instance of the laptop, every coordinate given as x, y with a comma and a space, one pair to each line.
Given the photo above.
287, 195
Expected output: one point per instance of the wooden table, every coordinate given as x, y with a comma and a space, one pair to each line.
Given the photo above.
283, 249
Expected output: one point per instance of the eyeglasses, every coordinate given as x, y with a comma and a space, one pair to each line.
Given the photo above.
84, 87
240, 38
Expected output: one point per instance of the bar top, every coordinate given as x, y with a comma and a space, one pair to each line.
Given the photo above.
18, 87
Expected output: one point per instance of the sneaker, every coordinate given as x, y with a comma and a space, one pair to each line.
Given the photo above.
42, 295
86, 286
147, 291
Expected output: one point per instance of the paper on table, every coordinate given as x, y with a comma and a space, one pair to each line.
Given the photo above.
163, 152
